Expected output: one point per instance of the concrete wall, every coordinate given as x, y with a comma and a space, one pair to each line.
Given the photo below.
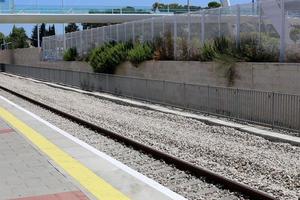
31, 57
277, 77
261, 76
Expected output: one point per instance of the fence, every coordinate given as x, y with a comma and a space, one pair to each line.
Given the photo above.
275, 23
267, 108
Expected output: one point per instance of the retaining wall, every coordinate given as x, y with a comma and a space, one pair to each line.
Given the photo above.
278, 77
32, 57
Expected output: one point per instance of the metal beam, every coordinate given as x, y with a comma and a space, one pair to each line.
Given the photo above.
75, 18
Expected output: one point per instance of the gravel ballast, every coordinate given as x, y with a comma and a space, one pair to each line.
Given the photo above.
183, 183
268, 166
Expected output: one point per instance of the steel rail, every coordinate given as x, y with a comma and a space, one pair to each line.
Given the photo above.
179, 163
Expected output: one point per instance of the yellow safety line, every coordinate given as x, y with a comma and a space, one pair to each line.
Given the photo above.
94, 184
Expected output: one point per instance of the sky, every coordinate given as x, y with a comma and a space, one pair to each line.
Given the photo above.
6, 28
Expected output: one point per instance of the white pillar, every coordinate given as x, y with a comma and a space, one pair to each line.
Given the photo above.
152, 29
238, 23
133, 32
64, 37
203, 28
282, 33
175, 37
38, 36
219, 22
117, 30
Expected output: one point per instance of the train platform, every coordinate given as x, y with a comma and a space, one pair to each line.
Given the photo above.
39, 161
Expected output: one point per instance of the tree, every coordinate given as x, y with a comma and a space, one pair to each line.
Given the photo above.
71, 27
18, 38
51, 30
93, 25
295, 34
213, 4
43, 32
34, 40
2, 38
173, 7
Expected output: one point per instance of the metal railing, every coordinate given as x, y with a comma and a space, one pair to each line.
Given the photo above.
267, 108
89, 9
276, 28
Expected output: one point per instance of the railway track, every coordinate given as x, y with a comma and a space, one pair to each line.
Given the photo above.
180, 164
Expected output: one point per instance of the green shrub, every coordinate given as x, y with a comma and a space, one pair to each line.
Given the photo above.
164, 47
222, 45
140, 53
251, 50
207, 52
183, 52
70, 54
106, 58
217, 46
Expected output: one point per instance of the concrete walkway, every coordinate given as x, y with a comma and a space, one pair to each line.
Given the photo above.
25, 172
40, 161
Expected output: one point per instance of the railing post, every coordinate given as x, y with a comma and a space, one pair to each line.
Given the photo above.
208, 99
133, 32
163, 25
38, 36
202, 28
175, 37
103, 34
164, 91
125, 31
282, 33
273, 109
106, 83
64, 37
81, 43
147, 90
238, 24
110, 33
117, 27
189, 33
184, 95
143, 31
219, 22
260, 20
152, 29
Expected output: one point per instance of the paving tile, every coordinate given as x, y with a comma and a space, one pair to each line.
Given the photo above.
74, 195
25, 171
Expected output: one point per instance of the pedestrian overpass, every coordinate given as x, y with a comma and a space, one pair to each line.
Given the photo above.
15, 13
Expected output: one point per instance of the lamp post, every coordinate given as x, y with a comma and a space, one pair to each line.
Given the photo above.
188, 5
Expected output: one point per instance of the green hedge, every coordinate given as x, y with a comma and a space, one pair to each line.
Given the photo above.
140, 53
106, 58
70, 54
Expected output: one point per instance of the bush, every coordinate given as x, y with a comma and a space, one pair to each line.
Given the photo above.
70, 54
249, 49
106, 58
164, 47
222, 45
140, 53
207, 52
252, 51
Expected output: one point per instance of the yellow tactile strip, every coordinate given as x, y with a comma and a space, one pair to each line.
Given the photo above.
88, 179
